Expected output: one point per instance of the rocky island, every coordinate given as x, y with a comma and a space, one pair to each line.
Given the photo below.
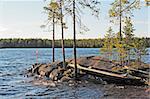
94, 69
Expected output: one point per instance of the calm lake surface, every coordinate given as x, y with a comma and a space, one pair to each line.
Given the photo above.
14, 62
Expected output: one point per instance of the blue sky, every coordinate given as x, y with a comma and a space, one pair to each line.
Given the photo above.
23, 18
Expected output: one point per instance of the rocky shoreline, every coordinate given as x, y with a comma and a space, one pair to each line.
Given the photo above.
55, 74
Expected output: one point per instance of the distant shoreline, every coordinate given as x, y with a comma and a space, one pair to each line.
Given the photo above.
44, 47
45, 43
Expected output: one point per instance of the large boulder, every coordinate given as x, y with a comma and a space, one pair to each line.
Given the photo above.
96, 62
103, 65
46, 69
68, 73
43, 69
35, 68
84, 61
56, 74
54, 65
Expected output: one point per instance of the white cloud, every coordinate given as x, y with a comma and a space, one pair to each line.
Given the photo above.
2, 29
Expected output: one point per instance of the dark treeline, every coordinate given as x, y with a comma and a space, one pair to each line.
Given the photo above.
45, 43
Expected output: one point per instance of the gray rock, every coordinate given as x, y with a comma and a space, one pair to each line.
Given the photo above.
49, 83
54, 74
35, 69
54, 65
65, 79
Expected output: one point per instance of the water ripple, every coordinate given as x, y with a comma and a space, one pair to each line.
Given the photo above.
13, 84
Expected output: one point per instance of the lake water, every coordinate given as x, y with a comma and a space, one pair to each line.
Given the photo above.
13, 62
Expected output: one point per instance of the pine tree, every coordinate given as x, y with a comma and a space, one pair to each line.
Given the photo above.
92, 5
53, 16
120, 48
62, 31
75, 9
140, 48
121, 9
108, 43
128, 30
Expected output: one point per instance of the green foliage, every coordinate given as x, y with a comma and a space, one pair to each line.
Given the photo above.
46, 43
124, 47
127, 6
140, 48
108, 43
122, 10
128, 30
54, 5
52, 9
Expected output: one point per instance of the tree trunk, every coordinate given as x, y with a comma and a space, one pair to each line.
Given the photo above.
120, 30
62, 31
53, 41
129, 57
120, 15
74, 37
140, 59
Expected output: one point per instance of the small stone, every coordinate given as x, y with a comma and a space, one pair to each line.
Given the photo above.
120, 87
42, 73
79, 82
71, 84
53, 85
65, 79
67, 72
49, 83
86, 81
53, 75
45, 83
70, 81
59, 81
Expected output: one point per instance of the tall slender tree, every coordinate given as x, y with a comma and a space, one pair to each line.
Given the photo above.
74, 36
54, 6
53, 15
62, 31
120, 20
75, 12
121, 9
58, 15
92, 5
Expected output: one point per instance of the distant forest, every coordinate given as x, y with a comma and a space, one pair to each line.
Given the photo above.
45, 43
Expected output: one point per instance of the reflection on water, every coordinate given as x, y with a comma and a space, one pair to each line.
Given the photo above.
13, 62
